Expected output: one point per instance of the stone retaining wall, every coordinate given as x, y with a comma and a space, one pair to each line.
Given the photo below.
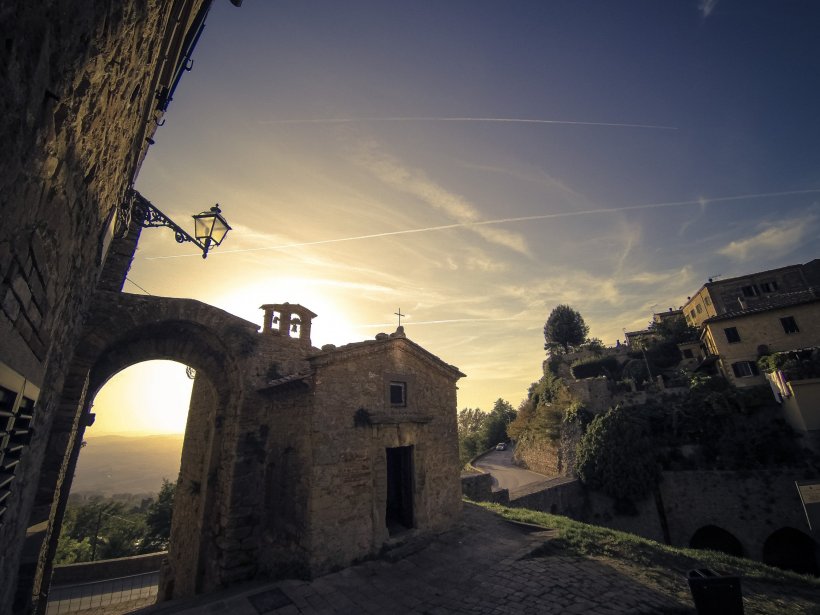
86, 572
750, 506
479, 488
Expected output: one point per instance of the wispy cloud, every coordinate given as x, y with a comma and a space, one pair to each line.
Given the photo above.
575, 287
706, 7
657, 277
773, 241
415, 182
514, 239
630, 234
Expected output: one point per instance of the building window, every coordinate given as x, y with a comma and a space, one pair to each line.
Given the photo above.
732, 336
398, 394
750, 291
789, 325
17, 399
687, 353
692, 314
768, 287
745, 369
707, 301
699, 308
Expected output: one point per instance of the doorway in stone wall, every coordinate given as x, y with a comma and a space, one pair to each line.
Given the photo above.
399, 514
122, 331
122, 489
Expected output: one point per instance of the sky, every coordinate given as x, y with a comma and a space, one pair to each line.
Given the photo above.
476, 163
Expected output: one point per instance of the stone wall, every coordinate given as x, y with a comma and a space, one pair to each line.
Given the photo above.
86, 572
750, 506
479, 488
572, 499
77, 112
122, 330
542, 456
188, 521
548, 457
353, 423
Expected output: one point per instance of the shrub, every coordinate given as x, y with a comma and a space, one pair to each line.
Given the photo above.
616, 455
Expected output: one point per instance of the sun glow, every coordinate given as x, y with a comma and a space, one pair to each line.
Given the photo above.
328, 299
147, 398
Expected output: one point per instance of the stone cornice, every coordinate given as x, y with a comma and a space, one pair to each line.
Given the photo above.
379, 346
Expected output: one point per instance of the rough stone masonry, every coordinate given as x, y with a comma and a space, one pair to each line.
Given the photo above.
297, 460
83, 85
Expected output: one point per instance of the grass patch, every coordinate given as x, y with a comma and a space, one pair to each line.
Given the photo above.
766, 590
577, 538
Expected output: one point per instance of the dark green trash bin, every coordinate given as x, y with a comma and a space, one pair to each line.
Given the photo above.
715, 594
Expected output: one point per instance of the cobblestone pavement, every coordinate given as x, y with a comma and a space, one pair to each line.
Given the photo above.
484, 566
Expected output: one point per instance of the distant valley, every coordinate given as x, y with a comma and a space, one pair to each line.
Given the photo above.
127, 464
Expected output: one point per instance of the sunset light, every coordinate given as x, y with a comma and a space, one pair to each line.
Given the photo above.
478, 182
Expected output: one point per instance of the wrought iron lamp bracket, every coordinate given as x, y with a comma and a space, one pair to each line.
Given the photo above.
147, 215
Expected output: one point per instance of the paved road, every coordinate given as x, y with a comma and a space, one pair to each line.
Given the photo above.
104, 596
484, 566
505, 474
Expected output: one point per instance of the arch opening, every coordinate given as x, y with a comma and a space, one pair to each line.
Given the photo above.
208, 341
121, 494
793, 550
716, 538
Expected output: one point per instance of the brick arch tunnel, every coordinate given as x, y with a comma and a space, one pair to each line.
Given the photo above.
791, 549
121, 331
716, 538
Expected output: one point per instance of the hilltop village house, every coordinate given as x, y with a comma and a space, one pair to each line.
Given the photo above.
750, 291
776, 311
296, 460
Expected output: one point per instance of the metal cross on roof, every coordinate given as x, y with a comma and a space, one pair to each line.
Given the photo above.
399, 314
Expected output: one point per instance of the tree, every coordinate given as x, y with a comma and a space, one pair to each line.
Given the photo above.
470, 420
565, 328
674, 329
158, 519
71, 551
617, 455
100, 529
495, 426
470, 437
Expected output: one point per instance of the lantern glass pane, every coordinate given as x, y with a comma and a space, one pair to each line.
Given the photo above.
203, 225
219, 229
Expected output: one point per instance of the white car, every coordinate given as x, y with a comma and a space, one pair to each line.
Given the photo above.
501, 446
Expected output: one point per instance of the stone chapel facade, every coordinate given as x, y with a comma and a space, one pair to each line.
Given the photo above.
336, 450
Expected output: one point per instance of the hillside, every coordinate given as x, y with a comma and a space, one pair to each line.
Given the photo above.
662, 568
127, 464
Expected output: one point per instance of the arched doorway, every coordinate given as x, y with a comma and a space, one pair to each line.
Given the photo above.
716, 538
125, 330
791, 549
121, 499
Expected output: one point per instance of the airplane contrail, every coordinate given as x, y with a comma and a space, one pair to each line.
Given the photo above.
502, 120
561, 214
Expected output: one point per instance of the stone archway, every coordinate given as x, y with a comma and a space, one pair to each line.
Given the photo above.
717, 539
122, 330
792, 549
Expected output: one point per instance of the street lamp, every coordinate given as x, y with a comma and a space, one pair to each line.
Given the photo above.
210, 227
